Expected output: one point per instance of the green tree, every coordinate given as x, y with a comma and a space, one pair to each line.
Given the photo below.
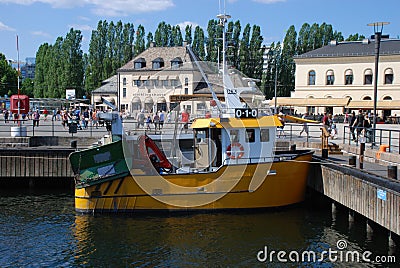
244, 55
27, 87
198, 43
287, 66
150, 39
8, 77
139, 45
355, 37
188, 34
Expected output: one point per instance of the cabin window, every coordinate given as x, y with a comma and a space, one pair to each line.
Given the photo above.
264, 135
234, 133
250, 135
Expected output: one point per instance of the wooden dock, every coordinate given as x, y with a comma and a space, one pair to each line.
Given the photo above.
370, 194
35, 166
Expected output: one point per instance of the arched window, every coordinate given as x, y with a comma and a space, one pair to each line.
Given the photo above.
387, 98
389, 76
311, 77
368, 77
348, 77
124, 81
367, 98
330, 77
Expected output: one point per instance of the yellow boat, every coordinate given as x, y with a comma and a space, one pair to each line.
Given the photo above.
234, 164
239, 170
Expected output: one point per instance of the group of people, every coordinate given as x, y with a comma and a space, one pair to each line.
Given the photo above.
330, 125
158, 119
15, 117
360, 123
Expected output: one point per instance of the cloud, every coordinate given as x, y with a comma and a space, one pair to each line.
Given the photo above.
41, 33
104, 8
183, 25
4, 27
268, 1
81, 27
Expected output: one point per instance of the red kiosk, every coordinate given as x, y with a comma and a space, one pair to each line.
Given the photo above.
19, 104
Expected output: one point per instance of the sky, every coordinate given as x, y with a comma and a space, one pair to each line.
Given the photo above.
41, 21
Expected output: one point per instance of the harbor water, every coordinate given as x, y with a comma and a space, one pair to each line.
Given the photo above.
42, 229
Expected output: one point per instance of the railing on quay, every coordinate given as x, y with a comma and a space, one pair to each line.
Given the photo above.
74, 129
389, 137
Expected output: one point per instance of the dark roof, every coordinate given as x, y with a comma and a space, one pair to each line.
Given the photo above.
354, 49
166, 54
109, 86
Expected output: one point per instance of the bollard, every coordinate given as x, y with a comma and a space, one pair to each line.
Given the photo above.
293, 147
362, 149
74, 144
392, 172
352, 160
324, 154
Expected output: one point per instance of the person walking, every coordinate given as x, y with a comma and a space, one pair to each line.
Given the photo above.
359, 123
305, 125
351, 123
156, 121
162, 119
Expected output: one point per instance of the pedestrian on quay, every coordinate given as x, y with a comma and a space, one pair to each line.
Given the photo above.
148, 122
156, 121
305, 125
359, 123
162, 119
36, 118
6, 114
351, 123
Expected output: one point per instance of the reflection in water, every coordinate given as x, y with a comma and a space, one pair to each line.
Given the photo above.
42, 229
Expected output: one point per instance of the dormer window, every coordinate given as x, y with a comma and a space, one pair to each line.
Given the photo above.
176, 63
139, 63
158, 63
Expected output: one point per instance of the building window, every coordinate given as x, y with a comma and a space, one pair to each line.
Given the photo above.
330, 78
124, 81
349, 77
137, 83
389, 76
311, 78
146, 83
165, 83
155, 82
367, 98
140, 63
176, 63
124, 92
158, 63
186, 82
368, 77
186, 91
174, 82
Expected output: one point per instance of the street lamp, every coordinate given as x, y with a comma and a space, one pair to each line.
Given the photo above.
378, 27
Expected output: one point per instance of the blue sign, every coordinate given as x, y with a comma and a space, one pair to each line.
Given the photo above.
381, 194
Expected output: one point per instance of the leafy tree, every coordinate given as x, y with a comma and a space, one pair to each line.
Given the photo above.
355, 37
27, 87
188, 34
244, 55
139, 45
149, 39
8, 77
198, 43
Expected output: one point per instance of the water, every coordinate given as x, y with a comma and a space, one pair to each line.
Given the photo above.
43, 230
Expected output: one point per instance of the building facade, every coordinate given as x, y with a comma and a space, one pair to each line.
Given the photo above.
159, 79
347, 70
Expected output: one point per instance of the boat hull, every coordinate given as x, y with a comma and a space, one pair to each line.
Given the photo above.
282, 184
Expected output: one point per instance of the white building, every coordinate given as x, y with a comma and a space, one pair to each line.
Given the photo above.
328, 75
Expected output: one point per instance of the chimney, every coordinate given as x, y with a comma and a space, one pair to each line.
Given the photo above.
151, 44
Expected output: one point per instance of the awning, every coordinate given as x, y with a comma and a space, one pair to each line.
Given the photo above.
163, 77
305, 102
110, 99
380, 105
136, 77
154, 77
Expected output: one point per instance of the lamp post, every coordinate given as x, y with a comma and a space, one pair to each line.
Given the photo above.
378, 27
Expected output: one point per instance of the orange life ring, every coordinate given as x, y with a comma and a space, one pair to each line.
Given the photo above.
235, 154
